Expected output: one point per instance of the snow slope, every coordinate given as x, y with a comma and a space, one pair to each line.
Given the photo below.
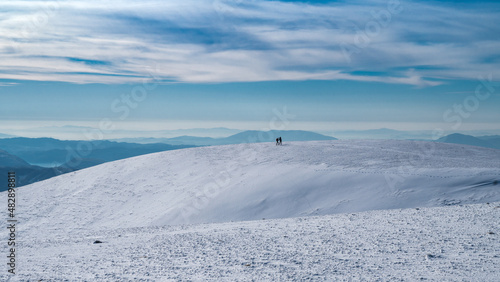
136, 207
454, 243
255, 181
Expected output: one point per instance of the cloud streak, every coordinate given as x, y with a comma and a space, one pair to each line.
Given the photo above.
419, 43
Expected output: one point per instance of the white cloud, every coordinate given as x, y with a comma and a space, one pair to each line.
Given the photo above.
7, 84
225, 41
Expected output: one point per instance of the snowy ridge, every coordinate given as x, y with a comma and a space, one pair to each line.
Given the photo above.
255, 181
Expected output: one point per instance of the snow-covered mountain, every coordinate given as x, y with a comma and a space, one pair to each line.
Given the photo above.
136, 206
255, 181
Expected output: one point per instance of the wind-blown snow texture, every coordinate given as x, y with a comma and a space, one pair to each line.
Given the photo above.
458, 243
59, 217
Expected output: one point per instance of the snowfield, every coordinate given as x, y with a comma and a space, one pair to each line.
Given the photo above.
455, 243
322, 210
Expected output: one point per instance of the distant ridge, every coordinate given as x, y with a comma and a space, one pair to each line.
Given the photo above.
2, 135
381, 133
253, 136
486, 141
489, 137
25, 173
36, 159
48, 150
249, 136
11, 161
75, 132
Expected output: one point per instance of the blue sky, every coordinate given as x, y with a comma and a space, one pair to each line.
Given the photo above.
331, 64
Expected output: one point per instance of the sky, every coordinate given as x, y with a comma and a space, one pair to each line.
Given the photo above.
135, 66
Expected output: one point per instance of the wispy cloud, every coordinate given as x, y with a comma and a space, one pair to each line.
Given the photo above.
7, 84
120, 41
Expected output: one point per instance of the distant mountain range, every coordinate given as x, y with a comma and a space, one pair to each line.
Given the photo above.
386, 133
6, 135
8, 160
77, 132
381, 133
45, 151
26, 173
250, 136
481, 141
36, 159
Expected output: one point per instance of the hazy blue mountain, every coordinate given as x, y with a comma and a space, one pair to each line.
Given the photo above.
250, 136
48, 150
25, 155
192, 140
253, 136
2, 135
181, 140
458, 138
25, 173
218, 132
32, 174
19, 144
9, 160
494, 140
489, 137
381, 133
76, 132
